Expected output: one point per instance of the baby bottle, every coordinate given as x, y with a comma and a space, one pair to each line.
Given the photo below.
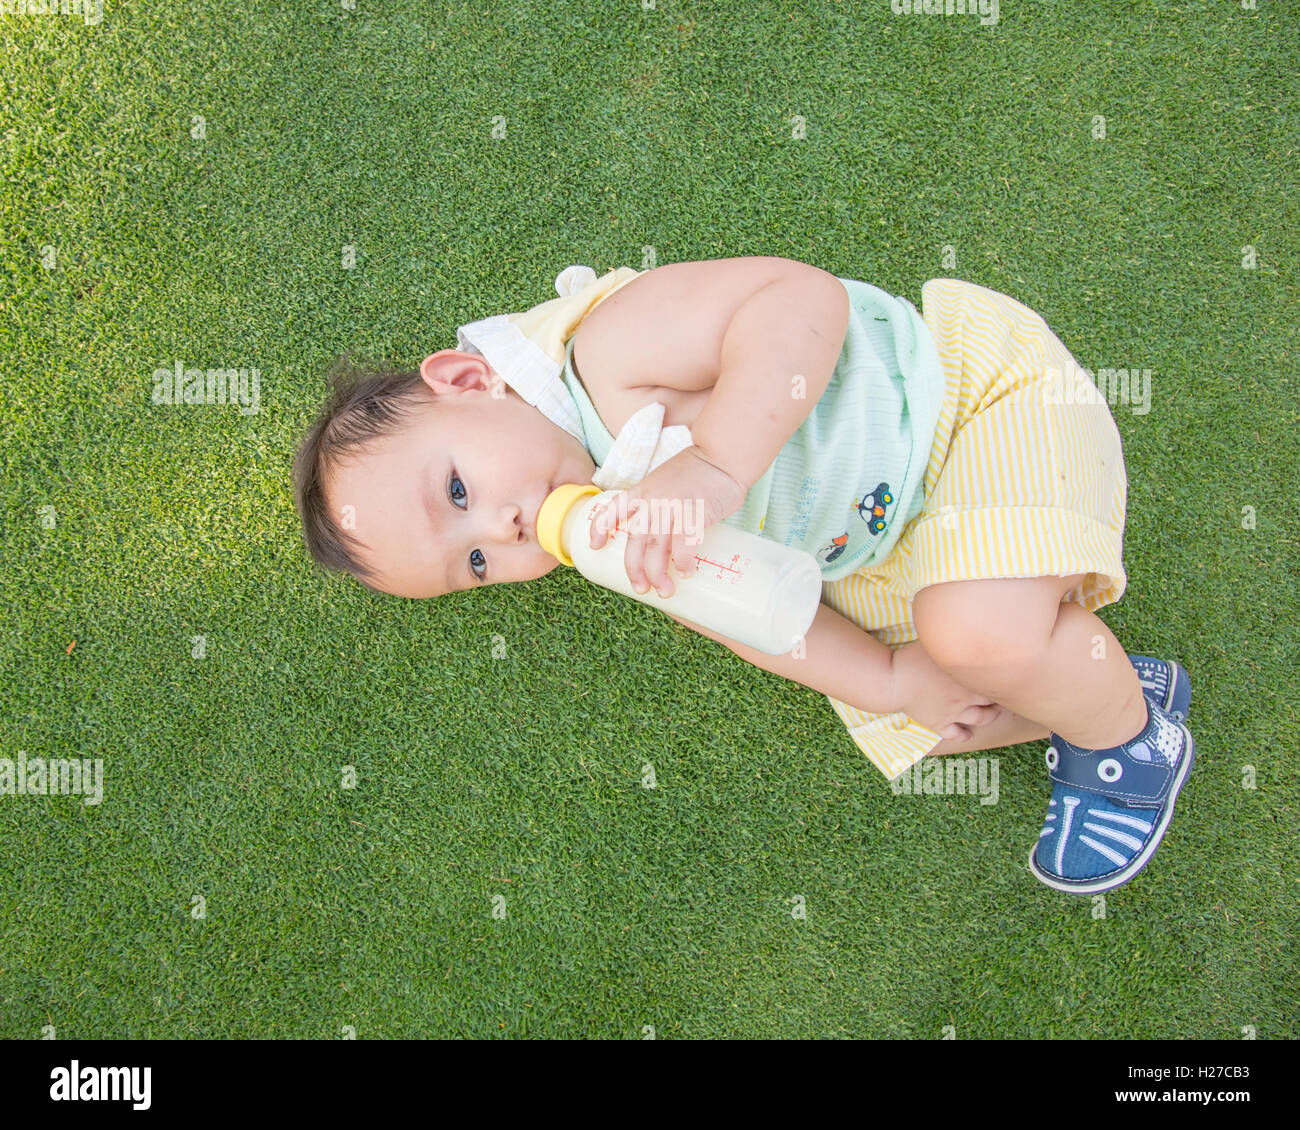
745, 587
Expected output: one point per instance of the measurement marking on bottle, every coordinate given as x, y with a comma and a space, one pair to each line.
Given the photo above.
730, 571
735, 567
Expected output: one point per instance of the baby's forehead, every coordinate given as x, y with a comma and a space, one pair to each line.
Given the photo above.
410, 435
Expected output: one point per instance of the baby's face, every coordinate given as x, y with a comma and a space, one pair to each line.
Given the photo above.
452, 502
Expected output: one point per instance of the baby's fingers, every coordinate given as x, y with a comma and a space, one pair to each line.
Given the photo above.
596, 536
634, 556
602, 525
683, 555
980, 715
656, 563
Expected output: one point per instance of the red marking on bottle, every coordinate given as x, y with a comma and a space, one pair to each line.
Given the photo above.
723, 569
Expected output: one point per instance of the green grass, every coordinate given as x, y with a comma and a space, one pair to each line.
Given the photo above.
521, 775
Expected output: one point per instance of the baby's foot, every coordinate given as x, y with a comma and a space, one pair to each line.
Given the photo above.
1110, 807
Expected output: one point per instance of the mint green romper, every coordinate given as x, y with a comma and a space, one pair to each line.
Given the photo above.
852, 476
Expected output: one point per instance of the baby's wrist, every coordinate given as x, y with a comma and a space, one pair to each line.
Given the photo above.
701, 453
739, 488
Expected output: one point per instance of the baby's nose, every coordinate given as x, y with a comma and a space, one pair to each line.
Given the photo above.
510, 524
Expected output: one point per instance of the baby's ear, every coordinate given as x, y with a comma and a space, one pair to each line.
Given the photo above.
449, 371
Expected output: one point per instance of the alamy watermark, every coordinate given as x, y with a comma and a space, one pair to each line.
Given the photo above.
987, 10
211, 386
657, 516
58, 776
101, 1084
949, 776
92, 11
1111, 386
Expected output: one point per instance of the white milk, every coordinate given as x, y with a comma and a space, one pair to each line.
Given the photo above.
745, 587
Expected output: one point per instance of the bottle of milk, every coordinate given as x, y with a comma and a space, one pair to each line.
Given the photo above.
745, 587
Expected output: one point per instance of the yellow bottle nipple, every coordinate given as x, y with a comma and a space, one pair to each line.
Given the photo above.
551, 516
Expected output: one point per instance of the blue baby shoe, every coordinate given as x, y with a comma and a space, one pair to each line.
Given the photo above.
1110, 807
1165, 682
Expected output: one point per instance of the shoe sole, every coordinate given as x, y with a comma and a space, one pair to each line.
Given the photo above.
1139, 861
1173, 685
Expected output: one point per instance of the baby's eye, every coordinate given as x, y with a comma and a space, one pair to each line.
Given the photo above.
456, 492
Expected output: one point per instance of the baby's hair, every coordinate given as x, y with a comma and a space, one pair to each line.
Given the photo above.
369, 403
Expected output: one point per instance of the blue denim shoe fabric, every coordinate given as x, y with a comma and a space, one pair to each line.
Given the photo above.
1110, 807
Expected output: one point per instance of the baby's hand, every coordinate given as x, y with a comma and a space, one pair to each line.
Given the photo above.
666, 512
925, 692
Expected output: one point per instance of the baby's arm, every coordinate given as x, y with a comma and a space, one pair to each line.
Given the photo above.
841, 660
779, 352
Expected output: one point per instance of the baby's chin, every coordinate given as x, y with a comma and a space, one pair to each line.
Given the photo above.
545, 563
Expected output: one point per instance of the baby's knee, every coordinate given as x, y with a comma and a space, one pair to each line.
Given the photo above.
966, 650
966, 632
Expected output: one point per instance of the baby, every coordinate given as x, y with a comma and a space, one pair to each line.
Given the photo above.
955, 473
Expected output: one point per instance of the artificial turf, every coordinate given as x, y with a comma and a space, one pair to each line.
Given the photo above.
196, 171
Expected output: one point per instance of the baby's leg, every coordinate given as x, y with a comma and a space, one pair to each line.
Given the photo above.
1047, 661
